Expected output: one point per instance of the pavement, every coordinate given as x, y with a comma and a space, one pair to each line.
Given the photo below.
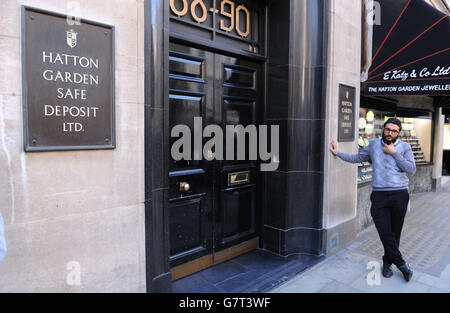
425, 245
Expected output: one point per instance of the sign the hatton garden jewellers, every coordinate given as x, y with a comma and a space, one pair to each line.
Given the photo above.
68, 83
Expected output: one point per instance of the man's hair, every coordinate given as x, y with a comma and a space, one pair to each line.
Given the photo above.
394, 121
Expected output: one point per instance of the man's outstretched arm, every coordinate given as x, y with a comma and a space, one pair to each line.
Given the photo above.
362, 156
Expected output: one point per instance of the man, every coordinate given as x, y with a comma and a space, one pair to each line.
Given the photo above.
391, 158
2, 239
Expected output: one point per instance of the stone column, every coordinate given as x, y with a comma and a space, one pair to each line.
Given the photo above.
296, 77
156, 150
438, 142
340, 179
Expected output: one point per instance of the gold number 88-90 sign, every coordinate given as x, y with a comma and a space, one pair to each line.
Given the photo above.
231, 14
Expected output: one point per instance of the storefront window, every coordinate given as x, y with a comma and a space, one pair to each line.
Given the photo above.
447, 137
415, 130
446, 148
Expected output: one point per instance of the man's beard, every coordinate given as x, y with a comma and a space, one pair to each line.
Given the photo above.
387, 141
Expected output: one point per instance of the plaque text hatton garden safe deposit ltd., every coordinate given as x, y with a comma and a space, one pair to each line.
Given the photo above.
68, 83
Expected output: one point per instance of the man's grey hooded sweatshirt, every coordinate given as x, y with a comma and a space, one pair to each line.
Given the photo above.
388, 170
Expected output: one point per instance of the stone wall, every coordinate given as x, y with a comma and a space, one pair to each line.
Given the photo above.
76, 208
364, 217
422, 180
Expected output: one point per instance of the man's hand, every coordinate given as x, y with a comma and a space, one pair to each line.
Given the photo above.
334, 147
389, 149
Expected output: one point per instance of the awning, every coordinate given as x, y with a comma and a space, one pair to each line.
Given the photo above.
410, 51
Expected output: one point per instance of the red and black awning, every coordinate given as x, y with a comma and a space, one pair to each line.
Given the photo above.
410, 51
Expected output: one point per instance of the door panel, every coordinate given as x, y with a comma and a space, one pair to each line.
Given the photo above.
186, 227
238, 212
218, 210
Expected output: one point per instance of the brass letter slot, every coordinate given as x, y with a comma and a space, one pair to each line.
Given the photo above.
238, 178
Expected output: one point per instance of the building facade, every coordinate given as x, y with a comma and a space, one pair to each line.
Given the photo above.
126, 216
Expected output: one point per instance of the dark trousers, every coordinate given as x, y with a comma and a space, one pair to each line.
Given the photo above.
388, 212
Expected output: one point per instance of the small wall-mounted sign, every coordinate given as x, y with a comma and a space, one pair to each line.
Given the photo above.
346, 127
334, 242
68, 83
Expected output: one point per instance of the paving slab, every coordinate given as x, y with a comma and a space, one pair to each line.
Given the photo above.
310, 282
337, 287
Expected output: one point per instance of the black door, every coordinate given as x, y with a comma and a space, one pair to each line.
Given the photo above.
213, 204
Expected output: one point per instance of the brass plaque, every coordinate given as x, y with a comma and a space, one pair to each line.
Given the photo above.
68, 83
239, 178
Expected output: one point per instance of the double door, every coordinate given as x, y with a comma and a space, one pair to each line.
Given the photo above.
213, 204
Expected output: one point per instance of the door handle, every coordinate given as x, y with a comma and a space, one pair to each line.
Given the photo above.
184, 187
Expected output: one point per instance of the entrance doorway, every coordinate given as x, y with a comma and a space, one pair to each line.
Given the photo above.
214, 212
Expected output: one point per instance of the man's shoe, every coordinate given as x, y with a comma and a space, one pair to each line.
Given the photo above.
387, 272
406, 271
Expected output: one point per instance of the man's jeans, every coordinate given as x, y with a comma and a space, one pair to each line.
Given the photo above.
388, 212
